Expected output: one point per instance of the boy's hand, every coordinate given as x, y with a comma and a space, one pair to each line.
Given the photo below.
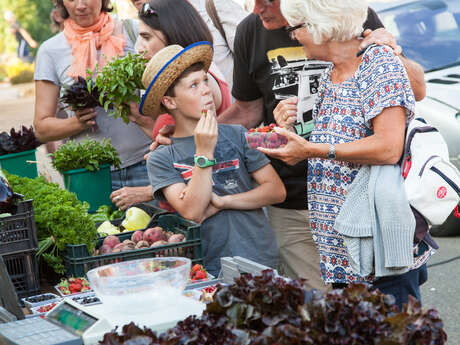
205, 134
217, 201
209, 212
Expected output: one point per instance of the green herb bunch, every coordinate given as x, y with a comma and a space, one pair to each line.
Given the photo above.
60, 217
117, 83
88, 154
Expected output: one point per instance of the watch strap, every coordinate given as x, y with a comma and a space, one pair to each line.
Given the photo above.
204, 162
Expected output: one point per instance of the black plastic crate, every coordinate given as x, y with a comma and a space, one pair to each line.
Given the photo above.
78, 260
23, 270
18, 232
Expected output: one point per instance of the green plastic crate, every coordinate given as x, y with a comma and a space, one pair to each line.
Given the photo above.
78, 260
93, 187
16, 163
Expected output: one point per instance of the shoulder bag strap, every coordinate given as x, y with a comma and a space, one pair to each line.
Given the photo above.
212, 13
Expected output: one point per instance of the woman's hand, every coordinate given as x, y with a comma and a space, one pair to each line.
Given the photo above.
163, 138
144, 122
380, 37
86, 117
127, 196
285, 113
205, 134
296, 150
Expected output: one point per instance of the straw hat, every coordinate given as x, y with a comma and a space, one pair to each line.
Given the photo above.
165, 67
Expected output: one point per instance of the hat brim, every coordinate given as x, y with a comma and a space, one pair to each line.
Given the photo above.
171, 70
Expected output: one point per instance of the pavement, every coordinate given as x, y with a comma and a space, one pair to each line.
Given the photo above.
439, 292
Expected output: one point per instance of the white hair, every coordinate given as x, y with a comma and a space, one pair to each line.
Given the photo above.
9, 15
327, 20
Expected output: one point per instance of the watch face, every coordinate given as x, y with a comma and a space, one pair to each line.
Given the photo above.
200, 161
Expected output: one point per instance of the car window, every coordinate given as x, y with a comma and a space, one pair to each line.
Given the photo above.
428, 31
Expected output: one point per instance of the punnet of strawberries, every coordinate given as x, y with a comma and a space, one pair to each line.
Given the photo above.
198, 273
46, 308
265, 137
73, 285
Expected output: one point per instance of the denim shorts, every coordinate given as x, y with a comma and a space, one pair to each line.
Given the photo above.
132, 176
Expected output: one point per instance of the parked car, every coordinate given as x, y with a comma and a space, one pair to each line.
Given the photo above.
429, 33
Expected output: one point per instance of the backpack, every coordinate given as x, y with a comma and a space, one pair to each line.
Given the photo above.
431, 181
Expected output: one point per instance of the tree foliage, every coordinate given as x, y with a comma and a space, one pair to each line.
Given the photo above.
34, 16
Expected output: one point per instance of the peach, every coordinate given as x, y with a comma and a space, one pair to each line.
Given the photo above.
118, 248
137, 236
105, 249
152, 235
176, 238
111, 241
142, 244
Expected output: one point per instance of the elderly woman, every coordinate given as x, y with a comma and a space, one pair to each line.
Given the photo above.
362, 108
91, 37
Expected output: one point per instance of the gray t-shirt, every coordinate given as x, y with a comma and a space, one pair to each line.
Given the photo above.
53, 61
229, 232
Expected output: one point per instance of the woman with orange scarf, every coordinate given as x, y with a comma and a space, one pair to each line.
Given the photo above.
91, 37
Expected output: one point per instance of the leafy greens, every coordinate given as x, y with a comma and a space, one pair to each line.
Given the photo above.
88, 154
60, 217
18, 141
268, 310
117, 83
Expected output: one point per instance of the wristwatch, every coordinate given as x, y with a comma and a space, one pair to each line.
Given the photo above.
331, 153
203, 162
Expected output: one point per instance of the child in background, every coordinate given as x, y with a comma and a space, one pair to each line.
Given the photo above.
208, 172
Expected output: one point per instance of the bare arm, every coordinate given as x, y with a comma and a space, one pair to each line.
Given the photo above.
47, 126
30, 41
248, 114
383, 147
416, 76
270, 190
194, 203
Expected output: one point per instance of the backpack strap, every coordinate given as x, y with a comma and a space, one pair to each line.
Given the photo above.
413, 132
128, 26
212, 13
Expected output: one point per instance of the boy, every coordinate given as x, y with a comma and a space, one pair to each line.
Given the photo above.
208, 172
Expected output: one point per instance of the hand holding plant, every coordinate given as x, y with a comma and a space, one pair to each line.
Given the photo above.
117, 83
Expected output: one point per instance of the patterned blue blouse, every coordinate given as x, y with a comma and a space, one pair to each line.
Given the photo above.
343, 113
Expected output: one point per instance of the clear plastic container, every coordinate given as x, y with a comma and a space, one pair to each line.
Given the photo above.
268, 140
39, 300
132, 286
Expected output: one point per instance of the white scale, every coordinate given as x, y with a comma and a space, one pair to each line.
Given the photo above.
70, 323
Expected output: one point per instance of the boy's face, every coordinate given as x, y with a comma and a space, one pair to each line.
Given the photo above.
192, 95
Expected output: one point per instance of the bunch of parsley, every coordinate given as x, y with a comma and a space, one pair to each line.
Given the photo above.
60, 217
87, 154
117, 83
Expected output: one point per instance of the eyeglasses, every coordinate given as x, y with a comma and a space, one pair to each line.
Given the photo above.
147, 10
291, 30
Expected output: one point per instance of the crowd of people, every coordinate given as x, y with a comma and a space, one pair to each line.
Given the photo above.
338, 88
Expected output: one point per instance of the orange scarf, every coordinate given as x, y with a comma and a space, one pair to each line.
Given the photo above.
85, 43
